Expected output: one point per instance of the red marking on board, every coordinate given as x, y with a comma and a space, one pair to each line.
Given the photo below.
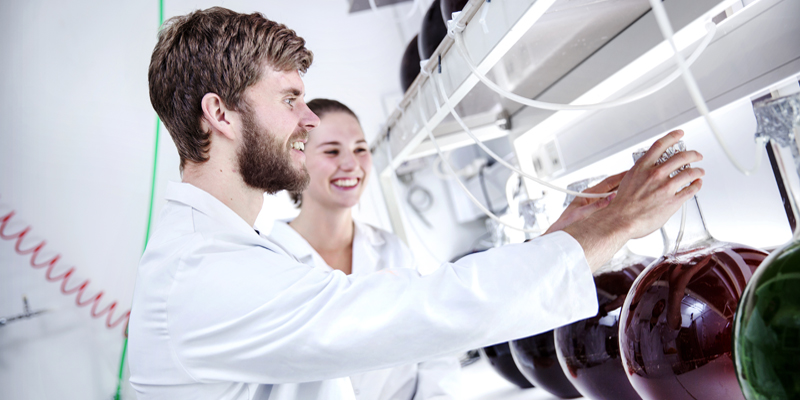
50, 264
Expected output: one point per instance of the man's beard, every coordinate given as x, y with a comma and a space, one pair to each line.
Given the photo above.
263, 161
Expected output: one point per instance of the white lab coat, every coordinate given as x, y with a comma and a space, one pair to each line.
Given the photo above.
375, 250
221, 312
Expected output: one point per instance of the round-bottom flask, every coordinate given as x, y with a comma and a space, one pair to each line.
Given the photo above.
677, 323
499, 357
432, 31
536, 358
409, 65
588, 350
767, 329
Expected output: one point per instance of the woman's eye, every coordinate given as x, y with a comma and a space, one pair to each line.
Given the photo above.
360, 150
332, 152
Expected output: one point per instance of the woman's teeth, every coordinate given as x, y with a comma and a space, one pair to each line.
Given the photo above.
299, 146
346, 182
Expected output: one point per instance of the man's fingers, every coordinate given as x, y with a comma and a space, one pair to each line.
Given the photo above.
679, 160
659, 147
684, 178
689, 191
608, 184
591, 208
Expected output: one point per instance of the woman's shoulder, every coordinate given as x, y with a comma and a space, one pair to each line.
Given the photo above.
376, 236
289, 239
382, 239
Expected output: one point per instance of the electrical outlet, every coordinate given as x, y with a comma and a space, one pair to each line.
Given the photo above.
547, 159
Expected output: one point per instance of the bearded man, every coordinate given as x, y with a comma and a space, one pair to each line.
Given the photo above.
221, 312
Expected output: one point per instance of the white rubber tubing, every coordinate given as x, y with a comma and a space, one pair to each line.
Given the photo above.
459, 42
694, 90
438, 83
475, 201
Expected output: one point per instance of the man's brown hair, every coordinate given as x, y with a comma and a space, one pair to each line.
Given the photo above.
214, 51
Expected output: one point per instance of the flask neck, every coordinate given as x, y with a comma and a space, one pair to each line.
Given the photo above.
534, 217
694, 233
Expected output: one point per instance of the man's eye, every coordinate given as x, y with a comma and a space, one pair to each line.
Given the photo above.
289, 101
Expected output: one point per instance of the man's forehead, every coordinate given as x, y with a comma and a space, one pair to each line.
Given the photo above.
284, 82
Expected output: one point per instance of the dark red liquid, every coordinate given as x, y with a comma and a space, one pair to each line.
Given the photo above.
432, 31
589, 349
409, 65
677, 323
536, 358
499, 357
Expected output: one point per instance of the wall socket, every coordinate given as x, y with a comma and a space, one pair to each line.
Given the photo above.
547, 159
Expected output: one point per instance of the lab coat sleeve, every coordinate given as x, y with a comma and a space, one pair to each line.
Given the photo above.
438, 379
252, 315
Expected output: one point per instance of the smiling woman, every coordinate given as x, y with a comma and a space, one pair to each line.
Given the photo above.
325, 236
338, 163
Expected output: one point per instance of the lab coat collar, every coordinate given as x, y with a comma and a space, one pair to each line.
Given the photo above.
367, 242
291, 240
370, 234
207, 204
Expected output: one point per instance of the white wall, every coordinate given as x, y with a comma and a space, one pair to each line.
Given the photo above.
77, 149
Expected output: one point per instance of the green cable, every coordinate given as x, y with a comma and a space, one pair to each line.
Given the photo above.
149, 217
146, 238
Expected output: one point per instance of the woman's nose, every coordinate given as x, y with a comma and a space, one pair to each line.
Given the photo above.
348, 161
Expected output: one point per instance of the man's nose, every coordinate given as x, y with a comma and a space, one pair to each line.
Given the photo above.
308, 119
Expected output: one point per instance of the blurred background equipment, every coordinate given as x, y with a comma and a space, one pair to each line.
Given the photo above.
26, 313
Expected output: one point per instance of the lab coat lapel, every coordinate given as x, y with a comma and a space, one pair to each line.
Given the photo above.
367, 244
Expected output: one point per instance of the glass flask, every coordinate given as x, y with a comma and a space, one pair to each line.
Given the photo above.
536, 358
536, 355
499, 356
588, 350
676, 324
766, 335
409, 65
432, 31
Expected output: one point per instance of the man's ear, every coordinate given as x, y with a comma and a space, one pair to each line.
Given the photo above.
217, 116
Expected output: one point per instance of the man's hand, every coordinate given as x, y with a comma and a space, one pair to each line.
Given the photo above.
582, 207
645, 200
647, 196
